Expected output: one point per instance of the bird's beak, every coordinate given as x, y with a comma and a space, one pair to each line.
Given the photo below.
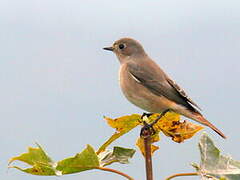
109, 48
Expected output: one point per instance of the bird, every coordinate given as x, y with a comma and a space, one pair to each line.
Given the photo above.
146, 85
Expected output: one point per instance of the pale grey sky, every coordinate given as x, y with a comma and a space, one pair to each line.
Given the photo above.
57, 82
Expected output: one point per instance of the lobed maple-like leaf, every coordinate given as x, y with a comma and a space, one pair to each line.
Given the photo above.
83, 161
213, 165
171, 126
122, 126
39, 160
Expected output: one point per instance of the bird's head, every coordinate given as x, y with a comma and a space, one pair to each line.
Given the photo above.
126, 49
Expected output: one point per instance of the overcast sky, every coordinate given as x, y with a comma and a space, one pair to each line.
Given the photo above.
57, 82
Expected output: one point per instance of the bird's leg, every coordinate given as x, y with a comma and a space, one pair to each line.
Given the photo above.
148, 130
159, 117
146, 114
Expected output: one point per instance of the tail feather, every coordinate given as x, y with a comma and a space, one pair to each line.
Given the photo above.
199, 118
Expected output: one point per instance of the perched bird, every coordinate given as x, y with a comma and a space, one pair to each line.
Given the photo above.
147, 86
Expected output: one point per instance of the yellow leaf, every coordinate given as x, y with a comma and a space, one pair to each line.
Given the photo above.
140, 144
166, 122
182, 131
171, 126
122, 125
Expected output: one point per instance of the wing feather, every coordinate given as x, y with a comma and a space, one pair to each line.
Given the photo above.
159, 84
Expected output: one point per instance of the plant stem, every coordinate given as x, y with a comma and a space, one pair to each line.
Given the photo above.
182, 174
115, 171
146, 133
148, 158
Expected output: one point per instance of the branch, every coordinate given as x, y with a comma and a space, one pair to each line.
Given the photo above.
146, 133
181, 174
115, 171
148, 158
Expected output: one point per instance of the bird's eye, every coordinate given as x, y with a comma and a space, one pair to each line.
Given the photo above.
121, 46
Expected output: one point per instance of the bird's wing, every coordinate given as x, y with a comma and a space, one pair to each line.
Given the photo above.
159, 84
182, 92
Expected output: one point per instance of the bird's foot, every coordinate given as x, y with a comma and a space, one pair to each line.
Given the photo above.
160, 116
148, 130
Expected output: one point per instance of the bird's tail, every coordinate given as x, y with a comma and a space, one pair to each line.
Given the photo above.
199, 118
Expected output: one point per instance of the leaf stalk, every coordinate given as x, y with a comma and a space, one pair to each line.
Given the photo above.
181, 174
115, 171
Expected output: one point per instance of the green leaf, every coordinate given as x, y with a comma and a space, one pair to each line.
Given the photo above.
43, 165
38, 159
83, 161
118, 154
215, 165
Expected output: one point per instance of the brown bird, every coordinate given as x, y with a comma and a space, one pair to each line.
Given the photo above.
147, 86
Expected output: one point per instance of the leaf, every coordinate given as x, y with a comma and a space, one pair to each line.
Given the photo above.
215, 165
38, 159
43, 165
83, 161
140, 144
122, 125
118, 154
171, 126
